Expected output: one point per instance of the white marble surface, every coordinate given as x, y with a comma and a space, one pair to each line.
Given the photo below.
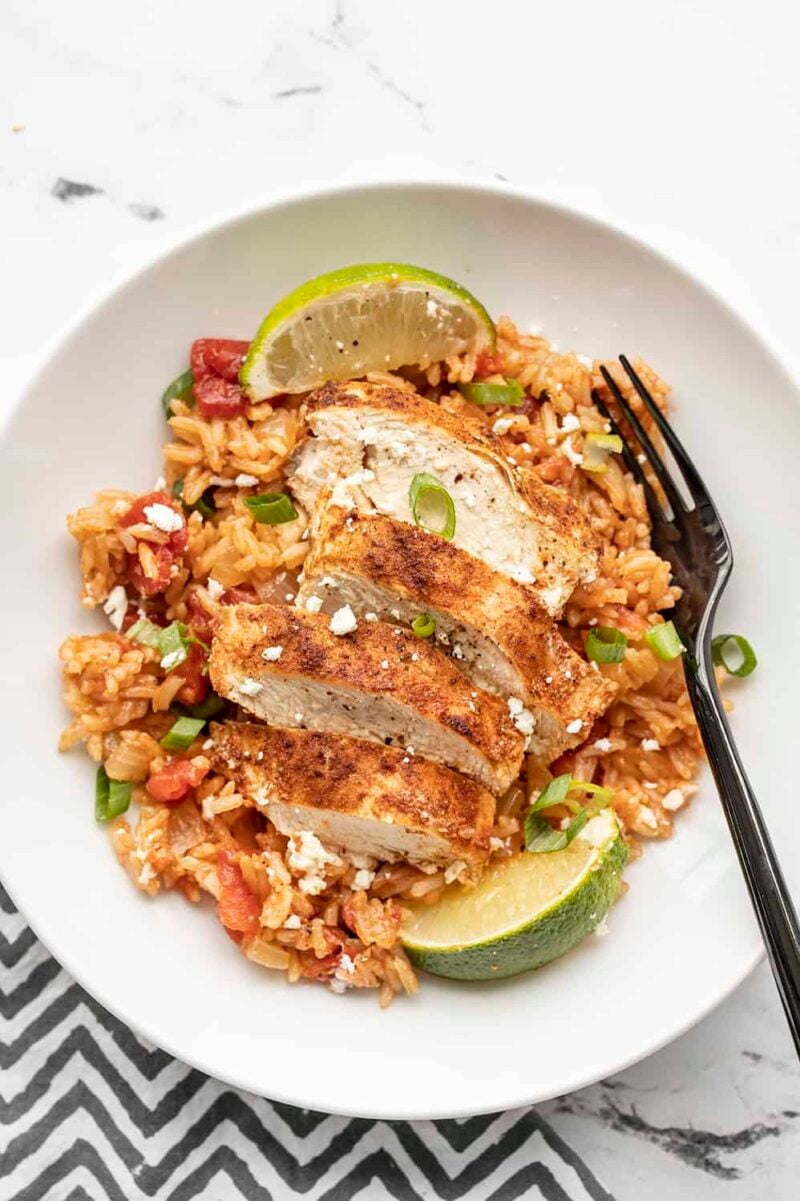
678, 121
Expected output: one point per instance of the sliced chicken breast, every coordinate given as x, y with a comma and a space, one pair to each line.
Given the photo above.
496, 632
375, 682
358, 797
374, 439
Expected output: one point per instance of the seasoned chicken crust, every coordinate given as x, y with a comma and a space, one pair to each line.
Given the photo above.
379, 682
357, 796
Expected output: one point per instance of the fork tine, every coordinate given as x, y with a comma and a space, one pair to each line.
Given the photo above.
654, 458
677, 450
631, 462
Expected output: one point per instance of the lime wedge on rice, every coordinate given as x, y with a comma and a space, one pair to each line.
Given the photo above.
525, 911
369, 317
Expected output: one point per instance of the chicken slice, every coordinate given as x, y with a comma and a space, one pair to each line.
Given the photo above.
373, 440
497, 632
359, 797
378, 682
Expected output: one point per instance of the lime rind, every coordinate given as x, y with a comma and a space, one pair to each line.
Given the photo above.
544, 935
288, 354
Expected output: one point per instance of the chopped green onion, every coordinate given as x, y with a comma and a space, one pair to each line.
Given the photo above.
182, 734
509, 393
179, 389
204, 506
597, 448
172, 643
740, 664
429, 493
423, 625
212, 706
111, 797
271, 508
602, 796
540, 837
146, 632
555, 793
605, 644
664, 641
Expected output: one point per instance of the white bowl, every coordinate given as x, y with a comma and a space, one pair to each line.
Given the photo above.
683, 937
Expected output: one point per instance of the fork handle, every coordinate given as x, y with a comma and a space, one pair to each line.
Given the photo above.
769, 894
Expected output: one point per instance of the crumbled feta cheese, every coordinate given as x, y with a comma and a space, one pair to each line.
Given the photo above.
298, 717
293, 922
343, 621
410, 750
308, 858
385, 664
650, 785
260, 757
363, 878
346, 964
575, 726
219, 481
651, 744
602, 744
146, 874
339, 345
502, 425
569, 424
338, 986
585, 361
215, 589
160, 484
250, 687
673, 800
522, 574
116, 606
313, 604
573, 455
207, 745
272, 653
457, 651
469, 499
370, 617
521, 717
164, 518
171, 660
548, 679
243, 480
647, 817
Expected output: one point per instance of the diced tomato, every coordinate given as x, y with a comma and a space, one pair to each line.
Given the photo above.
219, 398
151, 585
164, 553
238, 908
198, 620
488, 362
178, 540
239, 594
234, 935
317, 969
196, 686
221, 357
172, 783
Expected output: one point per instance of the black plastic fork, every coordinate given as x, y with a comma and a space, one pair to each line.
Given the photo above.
694, 541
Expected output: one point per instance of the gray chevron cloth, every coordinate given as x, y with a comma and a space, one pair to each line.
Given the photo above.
89, 1110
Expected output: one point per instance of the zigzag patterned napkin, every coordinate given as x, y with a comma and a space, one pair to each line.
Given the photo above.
88, 1110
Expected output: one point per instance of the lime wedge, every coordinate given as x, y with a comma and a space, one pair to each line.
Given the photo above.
525, 911
369, 317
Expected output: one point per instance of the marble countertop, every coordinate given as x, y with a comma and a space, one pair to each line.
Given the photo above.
124, 129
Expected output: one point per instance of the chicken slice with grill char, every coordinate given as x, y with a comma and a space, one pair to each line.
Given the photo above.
361, 798
496, 632
378, 683
370, 440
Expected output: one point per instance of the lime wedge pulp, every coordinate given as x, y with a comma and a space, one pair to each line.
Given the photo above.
524, 912
368, 317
